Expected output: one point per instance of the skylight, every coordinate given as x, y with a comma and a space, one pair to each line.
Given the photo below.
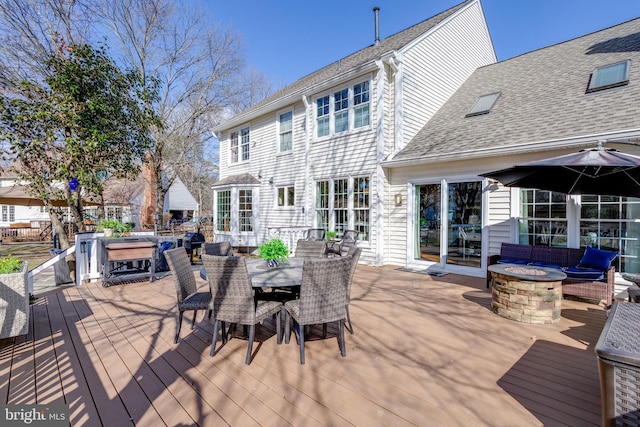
483, 105
609, 76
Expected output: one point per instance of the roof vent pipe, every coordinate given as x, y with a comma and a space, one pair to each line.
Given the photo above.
376, 11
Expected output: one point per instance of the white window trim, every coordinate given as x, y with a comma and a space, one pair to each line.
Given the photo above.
286, 206
279, 133
350, 204
234, 220
239, 132
351, 110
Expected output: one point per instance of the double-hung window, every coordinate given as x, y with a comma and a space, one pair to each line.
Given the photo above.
239, 144
322, 204
8, 213
244, 143
361, 105
233, 141
113, 212
341, 110
223, 212
361, 206
322, 115
245, 211
340, 205
285, 132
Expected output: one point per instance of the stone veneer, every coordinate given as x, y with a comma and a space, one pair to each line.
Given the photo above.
526, 301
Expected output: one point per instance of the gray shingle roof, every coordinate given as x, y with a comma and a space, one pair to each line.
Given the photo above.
243, 179
542, 99
361, 57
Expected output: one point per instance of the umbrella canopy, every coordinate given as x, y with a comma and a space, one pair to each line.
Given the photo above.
595, 171
18, 196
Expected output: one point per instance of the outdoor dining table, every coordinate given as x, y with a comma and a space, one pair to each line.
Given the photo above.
285, 275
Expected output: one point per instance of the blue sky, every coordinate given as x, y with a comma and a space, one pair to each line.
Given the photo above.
288, 39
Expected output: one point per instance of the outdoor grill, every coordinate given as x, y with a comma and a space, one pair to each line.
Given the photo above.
192, 241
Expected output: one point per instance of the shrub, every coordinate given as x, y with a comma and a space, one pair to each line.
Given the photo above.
10, 264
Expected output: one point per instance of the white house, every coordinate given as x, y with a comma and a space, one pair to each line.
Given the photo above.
391, 141
548, 102
312, 154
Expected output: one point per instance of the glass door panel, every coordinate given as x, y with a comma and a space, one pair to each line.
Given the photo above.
464, 229
428, 222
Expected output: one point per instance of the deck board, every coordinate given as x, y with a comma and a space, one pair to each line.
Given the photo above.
426, 351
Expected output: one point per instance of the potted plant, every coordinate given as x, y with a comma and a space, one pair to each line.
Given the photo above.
109, 226
126, 228
14, 301
330, 235
274, 252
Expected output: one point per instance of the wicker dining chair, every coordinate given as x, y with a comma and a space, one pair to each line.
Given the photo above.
323, 298
218, 249
189, 299
309, 248
233, 299
354, 255
316, 234
338, 247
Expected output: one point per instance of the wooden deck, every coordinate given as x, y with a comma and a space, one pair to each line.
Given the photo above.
426, 351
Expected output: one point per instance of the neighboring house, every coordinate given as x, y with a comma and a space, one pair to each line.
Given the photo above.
311, 155
179, 203
123, 199
548, 102
10, 214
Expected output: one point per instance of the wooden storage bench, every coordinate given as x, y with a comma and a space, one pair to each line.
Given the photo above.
561, 258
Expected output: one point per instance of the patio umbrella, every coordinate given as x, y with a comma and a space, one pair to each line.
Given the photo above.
18, 196
595, 171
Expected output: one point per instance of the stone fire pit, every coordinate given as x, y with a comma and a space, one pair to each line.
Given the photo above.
526, 294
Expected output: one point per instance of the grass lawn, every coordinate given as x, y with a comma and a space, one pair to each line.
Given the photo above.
34, 253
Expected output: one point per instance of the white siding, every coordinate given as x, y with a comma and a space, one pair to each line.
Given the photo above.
499, 218
397, 238
178, 198
434, 68
428, 72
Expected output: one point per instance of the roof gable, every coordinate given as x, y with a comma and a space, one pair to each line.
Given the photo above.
343, 67
543, 98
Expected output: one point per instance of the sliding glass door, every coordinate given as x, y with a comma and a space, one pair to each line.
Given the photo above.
451, 215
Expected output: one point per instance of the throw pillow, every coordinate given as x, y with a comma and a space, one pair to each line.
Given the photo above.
597, 259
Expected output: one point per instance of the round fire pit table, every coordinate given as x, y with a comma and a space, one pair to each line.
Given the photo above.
526, 293
634, 290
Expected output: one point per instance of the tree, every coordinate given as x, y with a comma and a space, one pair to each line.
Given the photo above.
198, 67
200, 71
87, 118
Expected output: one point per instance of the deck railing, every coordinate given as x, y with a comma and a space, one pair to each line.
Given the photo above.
289, 235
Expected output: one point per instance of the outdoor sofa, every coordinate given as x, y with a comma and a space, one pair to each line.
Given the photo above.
590, 273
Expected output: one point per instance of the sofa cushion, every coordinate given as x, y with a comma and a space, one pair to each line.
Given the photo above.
584, 273
544, 264
513, 261
597, 259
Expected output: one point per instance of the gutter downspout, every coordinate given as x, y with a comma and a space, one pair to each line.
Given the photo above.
307, 129
381, 227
